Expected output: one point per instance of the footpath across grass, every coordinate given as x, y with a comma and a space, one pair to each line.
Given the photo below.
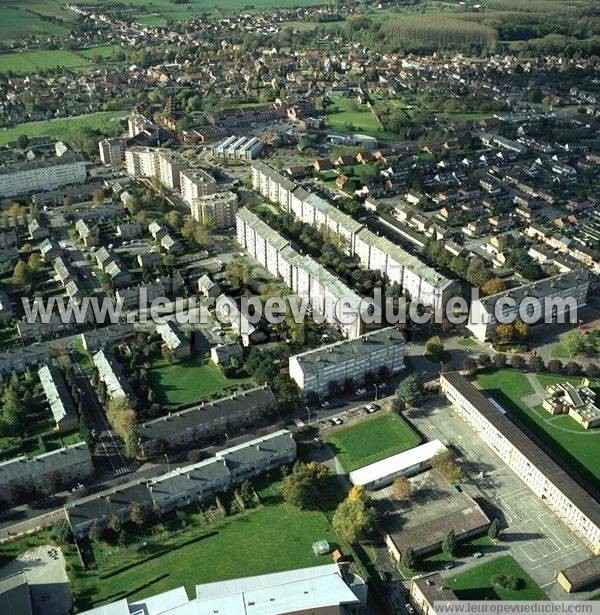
476, 583
371, 440
189, 380
561, 435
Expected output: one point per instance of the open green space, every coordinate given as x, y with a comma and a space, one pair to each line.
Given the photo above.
350, 117
63, 128
476, 584
189, 380
271, 538
561, 436
372, 440
439, 561
16, 24
32, 61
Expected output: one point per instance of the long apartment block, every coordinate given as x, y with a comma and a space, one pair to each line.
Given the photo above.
182, 486
376, 253
557, 295
314, 370
307, 278
559, 491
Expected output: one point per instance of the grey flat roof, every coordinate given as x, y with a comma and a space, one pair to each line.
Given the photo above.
332, 354
541, 288
190, 418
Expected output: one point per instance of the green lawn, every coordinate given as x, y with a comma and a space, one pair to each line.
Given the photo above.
63, 128
360, 118
562, 435
372, 440
32, 61
271, 538
16, 23
189, 380
475, 584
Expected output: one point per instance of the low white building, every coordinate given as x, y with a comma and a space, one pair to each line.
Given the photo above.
382, 473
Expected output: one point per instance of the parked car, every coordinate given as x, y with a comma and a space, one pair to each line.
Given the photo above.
409, 608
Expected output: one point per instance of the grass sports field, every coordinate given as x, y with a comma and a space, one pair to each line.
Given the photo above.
188, 381
372, 440
62, 128
271, 538
563, 437
475, 584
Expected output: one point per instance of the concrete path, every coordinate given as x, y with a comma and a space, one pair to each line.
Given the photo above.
536, 398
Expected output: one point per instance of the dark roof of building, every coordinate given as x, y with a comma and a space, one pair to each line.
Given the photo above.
190, 418
183, 480
14, 595
535, 455
434, 588
584, 573
460, 513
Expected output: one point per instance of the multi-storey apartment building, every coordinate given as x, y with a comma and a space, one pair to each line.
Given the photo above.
302, 274
58, 397
314, 370
206, 421
161, 163
417, 279
559, 491
559, 295
220, 208
112, 375
196, 183
420, 281
182, 486
44, 174
65, 466
111, 151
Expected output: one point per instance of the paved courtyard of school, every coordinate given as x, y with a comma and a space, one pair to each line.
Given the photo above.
535, 537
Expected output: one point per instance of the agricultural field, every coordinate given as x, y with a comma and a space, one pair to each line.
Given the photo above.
33, 61
63, 128
372, 440
476, 584
564, 437
189, 380
16, 24
271, 538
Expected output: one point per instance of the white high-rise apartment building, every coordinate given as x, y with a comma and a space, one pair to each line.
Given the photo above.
40, 175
